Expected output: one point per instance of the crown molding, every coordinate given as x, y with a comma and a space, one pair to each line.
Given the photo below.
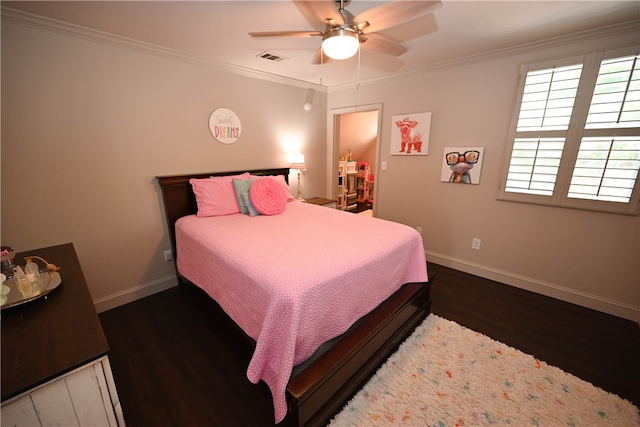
95, 36
629, 27
54, 26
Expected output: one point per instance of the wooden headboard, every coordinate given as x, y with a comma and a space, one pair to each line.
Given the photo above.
179, 199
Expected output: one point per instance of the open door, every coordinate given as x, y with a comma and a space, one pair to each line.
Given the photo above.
355, 139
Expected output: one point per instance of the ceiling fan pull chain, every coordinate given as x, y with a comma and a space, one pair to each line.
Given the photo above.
358, 82
321, 65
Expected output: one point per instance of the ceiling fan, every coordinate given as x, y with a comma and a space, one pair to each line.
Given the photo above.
343, 33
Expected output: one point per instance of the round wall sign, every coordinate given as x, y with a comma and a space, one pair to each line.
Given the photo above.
225, 125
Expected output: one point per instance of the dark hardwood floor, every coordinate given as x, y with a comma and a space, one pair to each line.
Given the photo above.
175, 364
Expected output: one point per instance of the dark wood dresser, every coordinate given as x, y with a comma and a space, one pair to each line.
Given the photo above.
55, 366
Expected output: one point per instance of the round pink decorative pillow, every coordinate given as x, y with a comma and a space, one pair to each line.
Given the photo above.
267, 196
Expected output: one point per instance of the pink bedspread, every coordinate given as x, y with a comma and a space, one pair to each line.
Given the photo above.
298, 279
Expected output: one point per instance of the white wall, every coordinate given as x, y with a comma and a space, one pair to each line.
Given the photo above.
588, 258
86, 128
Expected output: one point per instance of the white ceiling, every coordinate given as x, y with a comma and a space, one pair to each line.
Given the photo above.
217, 31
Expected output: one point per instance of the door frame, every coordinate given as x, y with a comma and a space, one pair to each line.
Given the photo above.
333, 144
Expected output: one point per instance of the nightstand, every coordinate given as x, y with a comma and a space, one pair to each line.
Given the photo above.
322, 202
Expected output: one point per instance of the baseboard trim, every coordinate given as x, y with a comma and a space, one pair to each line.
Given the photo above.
594, 302
548, 289
133, 294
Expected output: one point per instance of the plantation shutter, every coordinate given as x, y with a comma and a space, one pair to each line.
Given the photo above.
545, 113
575, 134
607, 166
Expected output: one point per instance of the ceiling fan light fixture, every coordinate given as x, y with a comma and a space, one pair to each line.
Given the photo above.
340, 43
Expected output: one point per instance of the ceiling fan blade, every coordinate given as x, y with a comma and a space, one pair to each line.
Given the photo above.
322, 11
286, 34
391, 14
378, 43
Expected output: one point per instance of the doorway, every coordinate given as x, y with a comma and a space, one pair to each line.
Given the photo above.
355, 132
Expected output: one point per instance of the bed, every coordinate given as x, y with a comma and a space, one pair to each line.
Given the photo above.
316, 348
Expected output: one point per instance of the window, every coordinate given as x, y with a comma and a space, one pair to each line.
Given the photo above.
576, 134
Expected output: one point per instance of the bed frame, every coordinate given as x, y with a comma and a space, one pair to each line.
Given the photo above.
320, 390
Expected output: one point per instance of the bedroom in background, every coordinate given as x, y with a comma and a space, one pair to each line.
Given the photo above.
356, 143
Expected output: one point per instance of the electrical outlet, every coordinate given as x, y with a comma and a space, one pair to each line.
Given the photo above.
419, 229
475, 244
168, 255
384, 166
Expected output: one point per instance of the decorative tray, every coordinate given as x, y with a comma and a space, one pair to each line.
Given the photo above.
11, 295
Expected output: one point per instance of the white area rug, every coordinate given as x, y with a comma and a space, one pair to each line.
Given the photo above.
447, 375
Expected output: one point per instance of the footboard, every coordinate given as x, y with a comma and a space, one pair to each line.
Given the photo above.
324, 387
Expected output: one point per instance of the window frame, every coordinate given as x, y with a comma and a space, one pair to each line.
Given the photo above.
573, 136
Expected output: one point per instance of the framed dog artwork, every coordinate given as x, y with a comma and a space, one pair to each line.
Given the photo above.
410, 134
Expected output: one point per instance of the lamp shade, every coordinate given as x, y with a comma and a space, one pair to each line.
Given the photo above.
340, 43
297, 162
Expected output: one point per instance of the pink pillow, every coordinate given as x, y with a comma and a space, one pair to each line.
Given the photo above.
216, 196
268, 196
279, 179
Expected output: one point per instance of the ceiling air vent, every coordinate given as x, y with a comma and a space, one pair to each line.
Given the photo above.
271, 56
